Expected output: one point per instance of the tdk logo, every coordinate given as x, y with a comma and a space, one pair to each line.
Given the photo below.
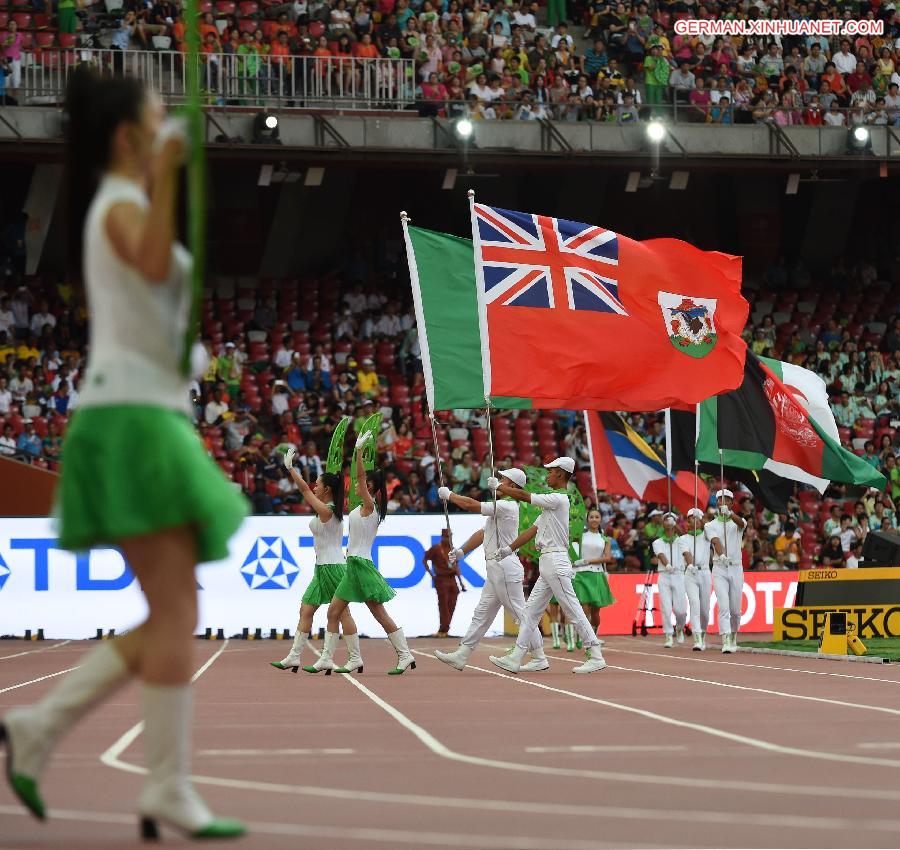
270, 565
4, 572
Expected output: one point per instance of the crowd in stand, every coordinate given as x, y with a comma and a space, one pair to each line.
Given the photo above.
515, 59
289, 359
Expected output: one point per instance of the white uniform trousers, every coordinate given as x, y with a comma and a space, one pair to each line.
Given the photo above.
555, 580
503, 588
672, 598
698, 584
729, 584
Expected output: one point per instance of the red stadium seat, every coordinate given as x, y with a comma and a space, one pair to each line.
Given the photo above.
4, 20
225, 7
248, 25
40, 426
44, 39
67, 40
22, 19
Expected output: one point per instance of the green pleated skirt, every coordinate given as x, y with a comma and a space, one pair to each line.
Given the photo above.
363, 583
132, 470
593, 589
325, 581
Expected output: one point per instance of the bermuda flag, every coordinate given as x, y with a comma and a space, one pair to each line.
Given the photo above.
576, 311
624, 464
769, 424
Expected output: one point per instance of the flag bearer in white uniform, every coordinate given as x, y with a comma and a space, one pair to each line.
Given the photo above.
726, 535
551, 536
697, 579
670, 564
504, 582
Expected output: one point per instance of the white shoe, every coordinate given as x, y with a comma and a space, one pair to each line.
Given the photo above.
326, 659
698, 641
405, 659
702, 641
168, 794
512, 661
726, 644
538, 662
354, 657
457, 658
593, 661
668, 643
679, 635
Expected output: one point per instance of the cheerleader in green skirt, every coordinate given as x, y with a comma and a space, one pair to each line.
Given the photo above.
135, 476
590, 582
327, 527
362, 582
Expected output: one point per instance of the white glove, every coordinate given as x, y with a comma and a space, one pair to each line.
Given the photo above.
725, 511
174, 127
289, 458
456, 555
580, 563
493, 484
362, 439
444, 494
503, 552
720, 560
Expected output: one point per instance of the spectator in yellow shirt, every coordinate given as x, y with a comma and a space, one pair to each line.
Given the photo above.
6, 348
27, 350
367, 378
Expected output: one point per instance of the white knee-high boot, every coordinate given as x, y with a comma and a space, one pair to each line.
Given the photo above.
405, 660
168, 794
292, 660
457, 658
326, 659
31, 732
354, 657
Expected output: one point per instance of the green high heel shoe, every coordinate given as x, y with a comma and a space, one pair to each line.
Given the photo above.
24, 787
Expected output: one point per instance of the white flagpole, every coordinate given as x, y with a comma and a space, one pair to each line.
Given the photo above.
669, 454
482, 301
590, 439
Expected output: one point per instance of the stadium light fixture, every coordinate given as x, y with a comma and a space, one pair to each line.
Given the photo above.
265, 129
656, 130
861, 135
464, 128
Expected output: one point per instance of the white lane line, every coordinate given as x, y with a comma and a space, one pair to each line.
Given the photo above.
618, 812
879, 745
705, 729
35, 681
695, 659
842, 703
385, 836
34, 651
328, 751
110, 757
608, 748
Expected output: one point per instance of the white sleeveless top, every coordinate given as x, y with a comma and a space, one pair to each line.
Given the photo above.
593, 545
363, 530
137, 326
327, 540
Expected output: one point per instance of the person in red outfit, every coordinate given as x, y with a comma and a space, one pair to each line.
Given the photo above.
447, 581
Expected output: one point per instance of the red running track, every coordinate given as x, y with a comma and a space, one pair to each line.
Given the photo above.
665, 748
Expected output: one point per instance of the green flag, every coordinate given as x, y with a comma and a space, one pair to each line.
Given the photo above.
442, 272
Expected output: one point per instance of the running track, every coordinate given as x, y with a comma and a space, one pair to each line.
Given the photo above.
663, 749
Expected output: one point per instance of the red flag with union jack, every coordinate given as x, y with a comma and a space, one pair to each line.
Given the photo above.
574, 311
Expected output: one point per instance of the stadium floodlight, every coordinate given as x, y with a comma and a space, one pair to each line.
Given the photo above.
656, 130
265, 129
464, 128
861, 135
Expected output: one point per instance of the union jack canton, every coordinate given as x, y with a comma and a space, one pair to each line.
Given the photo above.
539, 261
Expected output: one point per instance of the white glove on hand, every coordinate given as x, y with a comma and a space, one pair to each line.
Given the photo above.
503, 552
289, 458
720, 560
725, 511
362, 439
456, 555
175, 127
580, 563
493, 484
444, 494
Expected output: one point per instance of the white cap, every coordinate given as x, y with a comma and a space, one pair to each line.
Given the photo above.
515, 475
724, 494
653, 514
565, 463
695, 512
229, 345
670, 517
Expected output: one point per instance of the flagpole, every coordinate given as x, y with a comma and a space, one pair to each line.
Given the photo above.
487, 402
404, 221
722, 487
668, 421
696, 474
590, 441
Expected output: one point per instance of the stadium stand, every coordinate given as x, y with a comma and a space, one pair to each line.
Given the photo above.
289, 358
576, 61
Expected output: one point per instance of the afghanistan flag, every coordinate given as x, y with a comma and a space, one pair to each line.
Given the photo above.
763, 425
770, 490
575, 311
624, 464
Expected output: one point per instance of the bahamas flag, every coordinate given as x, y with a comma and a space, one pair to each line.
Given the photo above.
624, 464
